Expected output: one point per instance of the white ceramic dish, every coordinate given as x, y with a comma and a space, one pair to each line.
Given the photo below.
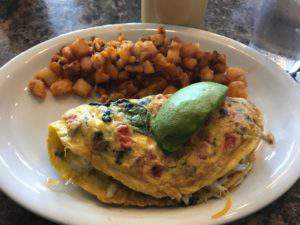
24, 165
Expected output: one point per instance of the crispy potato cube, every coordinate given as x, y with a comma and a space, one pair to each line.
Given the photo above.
37, 88
80, 47
189, 49
112, 71
55, 67
134, 68
190, 63
148, 67
101, 77
67, 53
220, 78
86, 64
235, 74
82, 88
206, 74
98, 60
237, 89
61, 87
169, 90
173, 54
46, 75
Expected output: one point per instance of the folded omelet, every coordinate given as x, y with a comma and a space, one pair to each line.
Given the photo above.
108, 150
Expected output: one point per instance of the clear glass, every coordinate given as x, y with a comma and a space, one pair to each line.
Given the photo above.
178, 12
277, 31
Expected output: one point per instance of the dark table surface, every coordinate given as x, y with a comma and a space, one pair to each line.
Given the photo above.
30, 22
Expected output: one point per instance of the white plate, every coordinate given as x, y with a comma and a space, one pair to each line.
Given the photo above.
24, 165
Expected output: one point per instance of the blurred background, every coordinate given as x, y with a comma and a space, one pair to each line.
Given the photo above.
270, 26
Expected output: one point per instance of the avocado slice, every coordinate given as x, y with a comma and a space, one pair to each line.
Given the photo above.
184, 113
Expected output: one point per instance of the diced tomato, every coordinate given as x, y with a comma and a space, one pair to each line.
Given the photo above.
123, 134
230, 141
123, 129
125, 141
71, 118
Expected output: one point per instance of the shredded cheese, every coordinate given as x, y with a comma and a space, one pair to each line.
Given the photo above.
51, 183
223, 211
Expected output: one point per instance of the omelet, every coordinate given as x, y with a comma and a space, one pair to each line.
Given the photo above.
113, 140
79, 171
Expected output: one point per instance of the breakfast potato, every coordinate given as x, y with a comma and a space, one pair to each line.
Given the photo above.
61, 87
82, 88
237, 89
153, 64
46, 75
38, 88
80, 47
101, 77
206, 74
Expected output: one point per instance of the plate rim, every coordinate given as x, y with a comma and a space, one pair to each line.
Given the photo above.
150, 26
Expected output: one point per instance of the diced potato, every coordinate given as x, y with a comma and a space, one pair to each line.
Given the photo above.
189, 49
86, 64
67, 53
98, 43
235, 74
101, 77
82, 88
37, 88
61, 87
173, 54
169, 90
148, 67
237, 89
134, 68
46, 75
98, 60
190, 63
111, 71
206, 74
55, 67
220, 78
80, 47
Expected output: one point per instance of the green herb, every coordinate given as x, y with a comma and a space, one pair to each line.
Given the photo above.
106, 117
138, 116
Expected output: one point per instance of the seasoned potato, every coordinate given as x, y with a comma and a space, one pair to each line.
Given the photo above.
82, 88
235, 74
153, 64
206, 74
67, 53
101, 77
220, 78
190, 63
61, 87
148, 67
55, 67
98, 60
80, 47
237, 89
38, 88
189, 49
86, 64
46, 75
111, 71
173, 54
